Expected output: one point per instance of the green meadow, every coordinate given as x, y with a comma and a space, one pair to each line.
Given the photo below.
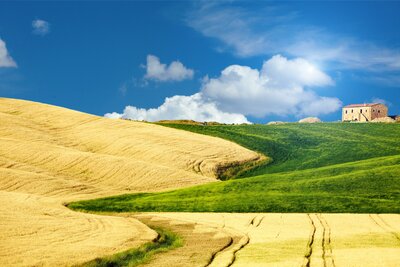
324, 167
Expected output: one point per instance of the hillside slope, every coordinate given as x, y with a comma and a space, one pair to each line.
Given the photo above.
85, 152
50, 155
328, 167
296, 146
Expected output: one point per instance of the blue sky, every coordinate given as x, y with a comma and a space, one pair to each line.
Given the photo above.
226, 61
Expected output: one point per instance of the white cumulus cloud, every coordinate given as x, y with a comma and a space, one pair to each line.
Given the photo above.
175, 71
40, 27
178, 107
283, 72
281, 87
5, 59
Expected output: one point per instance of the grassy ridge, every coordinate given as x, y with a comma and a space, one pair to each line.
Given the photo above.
316, 168
304, 146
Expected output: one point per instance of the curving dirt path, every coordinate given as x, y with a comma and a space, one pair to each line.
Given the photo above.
51, 155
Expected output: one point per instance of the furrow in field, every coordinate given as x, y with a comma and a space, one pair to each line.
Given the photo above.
382, 224
327, 242
310, 243
222, 249
242, 243
261, 218
362, 240
390, 228
215, 253
254, 223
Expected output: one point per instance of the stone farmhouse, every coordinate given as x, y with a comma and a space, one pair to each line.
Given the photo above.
364, 112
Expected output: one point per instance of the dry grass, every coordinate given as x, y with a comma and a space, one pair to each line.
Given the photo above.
50, 155
201, 242
274, 239
36, 231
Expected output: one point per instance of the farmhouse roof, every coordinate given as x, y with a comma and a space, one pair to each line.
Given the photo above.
361, 105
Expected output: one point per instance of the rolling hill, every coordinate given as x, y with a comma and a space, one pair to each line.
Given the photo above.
328, 167
51, 155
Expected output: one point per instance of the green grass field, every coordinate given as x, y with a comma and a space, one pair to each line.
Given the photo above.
327, 167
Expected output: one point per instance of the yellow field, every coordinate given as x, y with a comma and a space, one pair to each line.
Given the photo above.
51, 155
273, 239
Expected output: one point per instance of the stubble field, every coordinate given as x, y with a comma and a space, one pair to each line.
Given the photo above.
50, 155
283, 239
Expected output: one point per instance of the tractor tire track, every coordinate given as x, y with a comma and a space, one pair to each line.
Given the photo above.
393, 231
326, 242
310, 242
323, 240
246, 242
245, 239
260, 221
384, 226
214, 254
227, 246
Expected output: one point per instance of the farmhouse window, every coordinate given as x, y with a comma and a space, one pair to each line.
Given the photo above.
360, 110
351, 111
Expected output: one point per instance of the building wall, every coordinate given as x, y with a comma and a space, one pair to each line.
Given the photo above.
379, 111
363, 114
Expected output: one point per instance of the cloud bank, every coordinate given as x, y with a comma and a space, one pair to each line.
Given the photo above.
6, 60
175, 71
281, 87
277, 89
178, 107
40, 27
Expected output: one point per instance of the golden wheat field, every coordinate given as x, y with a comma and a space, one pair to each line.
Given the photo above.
50, 155
274, 239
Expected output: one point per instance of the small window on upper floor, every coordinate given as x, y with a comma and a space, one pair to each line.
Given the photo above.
346, 111
360, 110
351, 111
